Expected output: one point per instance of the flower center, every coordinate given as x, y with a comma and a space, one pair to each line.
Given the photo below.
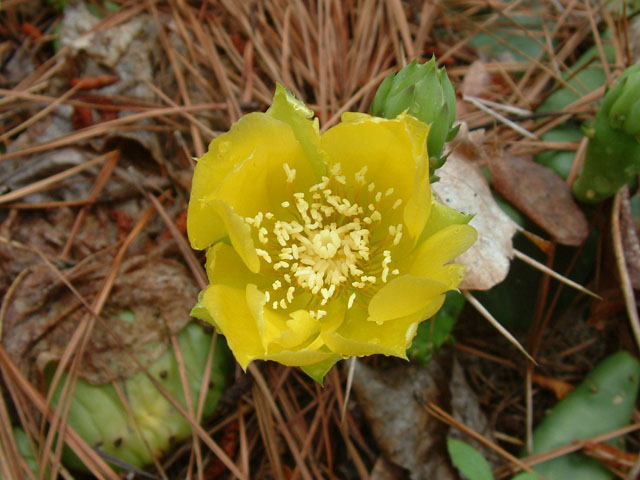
326, 248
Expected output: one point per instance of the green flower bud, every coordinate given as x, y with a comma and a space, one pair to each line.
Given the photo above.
613, 153
425, 92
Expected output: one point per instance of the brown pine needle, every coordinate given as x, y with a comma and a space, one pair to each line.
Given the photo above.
45, 182
443, 416
544, 269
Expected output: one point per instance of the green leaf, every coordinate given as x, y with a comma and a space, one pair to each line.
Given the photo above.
468, 460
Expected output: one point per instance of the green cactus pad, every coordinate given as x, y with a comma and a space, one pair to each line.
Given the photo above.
603, 402
25, 450
613, 153
102, 420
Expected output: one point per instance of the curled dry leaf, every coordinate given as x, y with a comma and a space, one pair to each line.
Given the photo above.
463, 187
542, 195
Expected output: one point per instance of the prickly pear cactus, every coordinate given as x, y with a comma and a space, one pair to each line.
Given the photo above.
100, 417
603, 402
25, 450
613, 153
424, 91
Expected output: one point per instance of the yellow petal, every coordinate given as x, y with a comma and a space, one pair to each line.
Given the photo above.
225, 300
295, 358
228, 307
405, 295
269, 328
250, 156
394, 152
301, 327
358, 336
289, 332
224, 265
239, 234
440, 248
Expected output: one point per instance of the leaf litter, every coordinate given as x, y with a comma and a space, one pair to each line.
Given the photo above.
463, 186
217, 63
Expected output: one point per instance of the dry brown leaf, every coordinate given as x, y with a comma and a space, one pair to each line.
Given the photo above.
558, 387
475, 83
466, 409
393, 401
150, 299
387, 470
542, 195
463, 187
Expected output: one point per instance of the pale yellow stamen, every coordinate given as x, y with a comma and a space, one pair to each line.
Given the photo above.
264, 254
352, 299
326, 251
290, 172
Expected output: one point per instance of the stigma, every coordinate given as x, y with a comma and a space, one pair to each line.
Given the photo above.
322, 241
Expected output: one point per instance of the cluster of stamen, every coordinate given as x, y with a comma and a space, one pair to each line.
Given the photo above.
326, 248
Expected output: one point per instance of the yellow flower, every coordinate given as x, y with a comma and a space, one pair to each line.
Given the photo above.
321, 247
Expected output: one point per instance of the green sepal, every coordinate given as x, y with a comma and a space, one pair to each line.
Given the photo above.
453, 132
442, 216
287, 108
200, 312
377, 106
317, 371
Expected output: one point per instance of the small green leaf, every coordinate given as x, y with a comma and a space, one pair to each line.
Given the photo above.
468, 460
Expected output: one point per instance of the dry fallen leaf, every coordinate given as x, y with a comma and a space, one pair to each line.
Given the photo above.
150, 299
387, 470
476, 83
542, 195
463, 187
466, 409
393, 401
